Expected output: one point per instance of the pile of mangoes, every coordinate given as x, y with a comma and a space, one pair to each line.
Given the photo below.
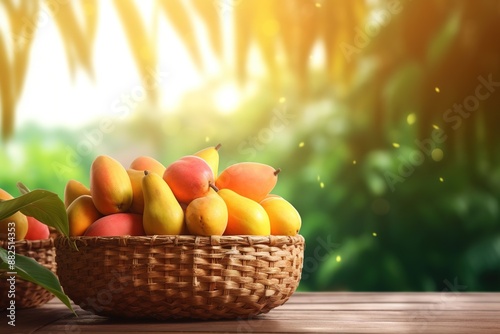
188, 196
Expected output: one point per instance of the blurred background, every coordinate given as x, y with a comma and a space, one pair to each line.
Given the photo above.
382, 114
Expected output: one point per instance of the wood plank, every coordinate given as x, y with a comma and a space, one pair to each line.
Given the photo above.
325, 312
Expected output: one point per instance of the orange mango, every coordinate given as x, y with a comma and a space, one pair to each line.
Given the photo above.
144, 162
137, 205
81, 214
249, 179
206, 216
73, 190
110, 186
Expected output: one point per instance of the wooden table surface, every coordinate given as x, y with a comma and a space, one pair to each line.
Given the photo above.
320, 312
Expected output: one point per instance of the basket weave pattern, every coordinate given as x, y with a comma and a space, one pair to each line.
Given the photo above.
164, 277
29, 294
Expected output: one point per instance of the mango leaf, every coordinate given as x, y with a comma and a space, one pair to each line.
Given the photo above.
44, 205
30, 270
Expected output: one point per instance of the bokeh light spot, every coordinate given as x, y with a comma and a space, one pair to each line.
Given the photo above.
411, 118
437, 154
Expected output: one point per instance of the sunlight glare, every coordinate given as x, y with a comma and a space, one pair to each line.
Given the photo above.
227, 98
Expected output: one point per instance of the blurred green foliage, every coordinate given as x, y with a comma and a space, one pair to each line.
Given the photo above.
398, 190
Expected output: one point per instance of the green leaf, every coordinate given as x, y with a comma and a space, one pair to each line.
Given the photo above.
32, 271
44, 205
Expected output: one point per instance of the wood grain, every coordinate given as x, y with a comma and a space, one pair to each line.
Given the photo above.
318, 312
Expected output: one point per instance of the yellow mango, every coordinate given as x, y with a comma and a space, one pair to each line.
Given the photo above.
245, 216
211, 156
207, 215
81, 214
16, 225
163, 215
284, 218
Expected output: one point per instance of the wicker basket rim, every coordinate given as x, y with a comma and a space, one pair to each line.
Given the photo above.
240, 240
30, 244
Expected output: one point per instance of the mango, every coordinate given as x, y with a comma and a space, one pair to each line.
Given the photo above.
137, 205
19, 228
150, 164
162, 212
118, 224
36, 230
284, 218
211, 156
5, 195
189, 177
245, 216
73, 190
81, 214
110, 186
249, 179
206, 216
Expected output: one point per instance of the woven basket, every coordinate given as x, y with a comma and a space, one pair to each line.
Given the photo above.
29, 294
173, 277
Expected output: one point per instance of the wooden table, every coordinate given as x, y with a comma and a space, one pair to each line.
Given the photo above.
325, 312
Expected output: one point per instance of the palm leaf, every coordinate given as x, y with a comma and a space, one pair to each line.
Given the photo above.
78, 52
176, 13
308, 21
6, 95
300, 31
210, 16
139, 41
90, 9
266, 28
22, 45
242, 20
